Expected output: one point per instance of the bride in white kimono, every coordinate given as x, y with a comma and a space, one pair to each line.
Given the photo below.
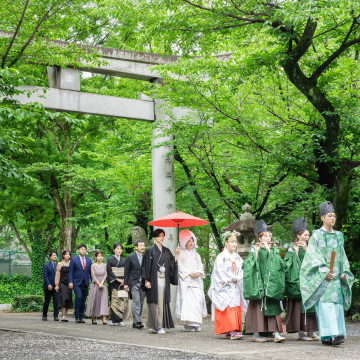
190, 301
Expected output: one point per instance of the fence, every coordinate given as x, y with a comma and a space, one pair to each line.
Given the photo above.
15, 262
18, 262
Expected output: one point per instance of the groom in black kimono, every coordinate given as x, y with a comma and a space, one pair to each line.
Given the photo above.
159, 270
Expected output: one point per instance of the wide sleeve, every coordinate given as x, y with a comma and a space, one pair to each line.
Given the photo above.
182, 270
292, 286
146, 265
253, 287
110, 274
312, 274
200, 265
173, 265
275, 279
348, 282
239, 271
220, 278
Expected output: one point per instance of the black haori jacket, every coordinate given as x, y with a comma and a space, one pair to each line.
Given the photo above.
150, 268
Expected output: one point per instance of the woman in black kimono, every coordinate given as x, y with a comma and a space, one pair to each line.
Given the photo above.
116, 282
159, 270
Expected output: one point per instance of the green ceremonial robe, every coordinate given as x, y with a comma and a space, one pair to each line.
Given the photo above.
264, 279
316, 265
292, 275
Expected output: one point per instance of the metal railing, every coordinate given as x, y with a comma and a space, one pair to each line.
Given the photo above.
15, 262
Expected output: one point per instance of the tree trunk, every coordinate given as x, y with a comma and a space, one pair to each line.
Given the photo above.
69, 227
333, 174
340, 195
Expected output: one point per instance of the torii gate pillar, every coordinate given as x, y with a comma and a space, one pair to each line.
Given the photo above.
163, 173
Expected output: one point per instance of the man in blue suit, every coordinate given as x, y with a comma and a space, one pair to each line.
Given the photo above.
79, 278
49, 272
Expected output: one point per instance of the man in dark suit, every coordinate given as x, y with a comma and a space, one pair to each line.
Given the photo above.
79, 278
132, 282
49, 272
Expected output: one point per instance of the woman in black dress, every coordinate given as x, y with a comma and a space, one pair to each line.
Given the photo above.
116, 265
62, 285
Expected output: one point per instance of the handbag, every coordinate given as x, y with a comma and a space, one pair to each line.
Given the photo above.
123, 294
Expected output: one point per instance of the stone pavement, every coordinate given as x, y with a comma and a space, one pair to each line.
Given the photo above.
175, 344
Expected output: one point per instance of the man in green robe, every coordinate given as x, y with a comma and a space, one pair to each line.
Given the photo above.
297, 320
330, 292
264, 286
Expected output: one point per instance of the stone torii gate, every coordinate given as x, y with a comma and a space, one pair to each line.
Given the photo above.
64, 95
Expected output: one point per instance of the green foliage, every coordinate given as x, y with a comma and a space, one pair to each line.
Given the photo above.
17, 285
38, 258
28, 303
259, 136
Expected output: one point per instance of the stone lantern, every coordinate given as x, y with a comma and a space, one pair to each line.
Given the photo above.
245, 226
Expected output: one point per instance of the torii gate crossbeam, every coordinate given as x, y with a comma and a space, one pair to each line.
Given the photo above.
64, 94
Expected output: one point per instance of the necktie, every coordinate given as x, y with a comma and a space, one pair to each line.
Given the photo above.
83, 262
54, 265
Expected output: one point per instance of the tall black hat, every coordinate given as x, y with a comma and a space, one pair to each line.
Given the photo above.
260, 226
299, 224
325, 208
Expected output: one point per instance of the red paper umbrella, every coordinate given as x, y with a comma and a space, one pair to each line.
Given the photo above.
178, 219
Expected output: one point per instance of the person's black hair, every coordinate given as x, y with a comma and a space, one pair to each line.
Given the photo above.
81, 246
64, 253
157, 233
138, 242
98, 253
116, 245
52, 252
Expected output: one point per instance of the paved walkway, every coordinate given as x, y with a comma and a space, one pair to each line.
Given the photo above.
176, 344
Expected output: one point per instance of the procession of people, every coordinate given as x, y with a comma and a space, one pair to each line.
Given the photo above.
311, 283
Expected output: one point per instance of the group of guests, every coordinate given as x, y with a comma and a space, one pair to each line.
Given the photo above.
314, 275
75, 274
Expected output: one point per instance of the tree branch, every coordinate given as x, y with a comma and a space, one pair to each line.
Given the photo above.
305, 41
14, 35
200, 201
331, 58
21, 241
87, 133
233, 187
198, 6
266, 197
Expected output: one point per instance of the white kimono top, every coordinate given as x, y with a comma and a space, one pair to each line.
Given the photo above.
223, 292
190, 302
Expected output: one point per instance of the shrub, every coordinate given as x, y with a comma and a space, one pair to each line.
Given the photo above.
17, 285
28, 303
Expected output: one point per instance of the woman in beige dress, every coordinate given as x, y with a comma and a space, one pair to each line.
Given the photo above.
98, 297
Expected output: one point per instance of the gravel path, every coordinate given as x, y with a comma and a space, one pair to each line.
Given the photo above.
15, 346
26, 337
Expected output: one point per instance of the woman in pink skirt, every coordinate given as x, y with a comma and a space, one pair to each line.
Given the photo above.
98, 296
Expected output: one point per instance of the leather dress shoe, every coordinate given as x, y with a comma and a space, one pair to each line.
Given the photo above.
338, 340
56, 318
327, 342
44, 318
138, 325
